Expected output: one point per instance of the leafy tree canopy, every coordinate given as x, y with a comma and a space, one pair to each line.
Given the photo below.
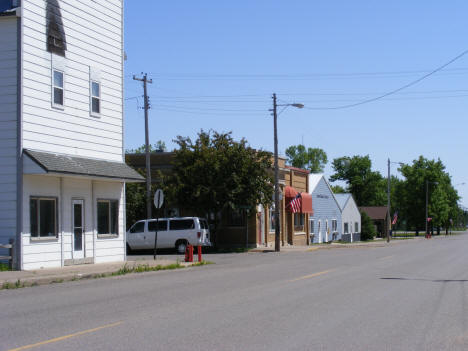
313, 159
216, 172
338, 189
367, 186
159, 146
442, 196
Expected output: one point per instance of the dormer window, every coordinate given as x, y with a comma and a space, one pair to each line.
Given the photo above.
57, 89
95, 98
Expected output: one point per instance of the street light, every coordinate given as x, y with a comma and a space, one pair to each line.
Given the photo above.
277, 192
388, 195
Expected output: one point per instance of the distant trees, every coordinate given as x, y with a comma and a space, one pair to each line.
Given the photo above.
367, 186
367, 227
442, 196
337, 189
313, 159
159, 146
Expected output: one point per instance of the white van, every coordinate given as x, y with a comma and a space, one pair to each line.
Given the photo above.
172, 233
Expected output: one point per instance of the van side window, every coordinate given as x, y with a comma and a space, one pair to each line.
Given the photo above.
162, 226
181, 224
138, 227
203, 224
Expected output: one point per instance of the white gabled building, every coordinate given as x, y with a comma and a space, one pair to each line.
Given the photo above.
350, 217
62, 170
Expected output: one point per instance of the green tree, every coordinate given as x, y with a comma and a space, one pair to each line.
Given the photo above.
337, 189
367, 227
313, 159
215, 172
159, 146
368, 187
442, 195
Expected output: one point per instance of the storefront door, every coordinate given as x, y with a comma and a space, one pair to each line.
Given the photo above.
78, 228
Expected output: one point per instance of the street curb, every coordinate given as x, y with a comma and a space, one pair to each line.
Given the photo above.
15, 283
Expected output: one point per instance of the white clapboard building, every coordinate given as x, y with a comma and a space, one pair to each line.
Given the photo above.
62, 170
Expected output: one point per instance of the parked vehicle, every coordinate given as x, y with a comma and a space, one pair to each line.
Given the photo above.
172, 233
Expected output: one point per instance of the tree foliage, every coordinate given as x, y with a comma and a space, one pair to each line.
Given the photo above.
367, 227
338, 189
442, 196
159, 146
367, 186
313, 159
216, 172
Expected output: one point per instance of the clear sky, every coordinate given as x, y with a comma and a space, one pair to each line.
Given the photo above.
216, 63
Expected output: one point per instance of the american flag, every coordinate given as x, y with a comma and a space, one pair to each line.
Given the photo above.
395, 218
295, 203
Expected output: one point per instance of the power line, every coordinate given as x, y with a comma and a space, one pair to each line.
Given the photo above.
395, 90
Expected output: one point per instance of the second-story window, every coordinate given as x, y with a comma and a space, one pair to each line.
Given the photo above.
57, 91
95, 97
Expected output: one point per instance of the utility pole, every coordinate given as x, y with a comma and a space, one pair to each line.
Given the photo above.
277, 192
427, 201
145, 81
388, 203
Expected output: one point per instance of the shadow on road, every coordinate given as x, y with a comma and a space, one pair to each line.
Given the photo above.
429, 280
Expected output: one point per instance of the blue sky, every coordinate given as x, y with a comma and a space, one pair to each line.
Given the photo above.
215, 65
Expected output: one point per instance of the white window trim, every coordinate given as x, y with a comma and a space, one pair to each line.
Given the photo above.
312, 227
56, 214
54, 105
91, 96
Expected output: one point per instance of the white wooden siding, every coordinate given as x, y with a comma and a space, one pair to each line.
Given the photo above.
8, 127
96, 45
37, 254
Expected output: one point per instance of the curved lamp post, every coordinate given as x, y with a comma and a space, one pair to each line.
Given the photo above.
277, 192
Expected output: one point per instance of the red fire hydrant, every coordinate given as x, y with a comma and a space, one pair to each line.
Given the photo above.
189, 253
199, 253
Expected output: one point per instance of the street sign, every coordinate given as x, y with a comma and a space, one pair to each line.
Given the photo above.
158, 198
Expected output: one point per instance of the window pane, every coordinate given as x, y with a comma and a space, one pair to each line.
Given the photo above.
33, 216
162, 226
181, 224
47, 217
95, 89
103, 217
77, 215
58, 79
138, 227
114, 217
58, 96
95, 105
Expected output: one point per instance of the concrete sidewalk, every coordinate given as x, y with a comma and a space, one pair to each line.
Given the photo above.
14, 279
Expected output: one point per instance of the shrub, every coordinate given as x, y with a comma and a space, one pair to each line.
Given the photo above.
367, 227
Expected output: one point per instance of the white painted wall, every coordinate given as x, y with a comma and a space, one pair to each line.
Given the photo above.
93, 30
352, 215
8, 127
48, 253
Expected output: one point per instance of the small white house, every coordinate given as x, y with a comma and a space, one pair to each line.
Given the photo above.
350, 217
62, 170
325, 223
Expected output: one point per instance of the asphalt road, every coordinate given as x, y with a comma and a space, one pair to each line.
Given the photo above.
409, 296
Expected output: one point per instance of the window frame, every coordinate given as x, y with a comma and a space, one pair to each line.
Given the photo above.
54, 104
334, 226
312, 226
356, 227
108, 234
345, 228
92, 96
271, 220
38, 217
299, 222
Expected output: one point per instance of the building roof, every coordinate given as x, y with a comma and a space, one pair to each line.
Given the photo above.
375, 212
300, 170
71, 165
314, 179
342, 199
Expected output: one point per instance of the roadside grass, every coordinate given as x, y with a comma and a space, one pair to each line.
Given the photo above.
4, 267
141, 268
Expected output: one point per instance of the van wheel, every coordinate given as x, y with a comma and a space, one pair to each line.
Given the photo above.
181, 245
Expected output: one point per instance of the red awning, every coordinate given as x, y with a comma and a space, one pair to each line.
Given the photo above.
306, 206
290, 192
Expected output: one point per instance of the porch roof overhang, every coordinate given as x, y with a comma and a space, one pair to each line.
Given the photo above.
39, 162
